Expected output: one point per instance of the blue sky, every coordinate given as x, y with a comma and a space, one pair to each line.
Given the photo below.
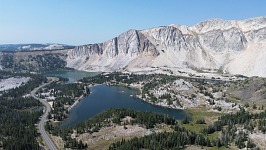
77, 22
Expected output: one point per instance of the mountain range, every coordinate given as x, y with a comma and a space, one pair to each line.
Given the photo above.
33, 47
228, 46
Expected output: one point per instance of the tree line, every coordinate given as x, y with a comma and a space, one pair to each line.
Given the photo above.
180, 138
19, 115
108, 118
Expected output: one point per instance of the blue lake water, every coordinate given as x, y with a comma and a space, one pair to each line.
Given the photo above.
72, 76
105, 97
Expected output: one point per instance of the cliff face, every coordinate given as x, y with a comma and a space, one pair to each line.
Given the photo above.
237, 47
114, 54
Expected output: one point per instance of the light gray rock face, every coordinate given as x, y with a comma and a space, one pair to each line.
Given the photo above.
130, 43
211, 44
257, 35
170, 38
214, 24
227, 40
87, 50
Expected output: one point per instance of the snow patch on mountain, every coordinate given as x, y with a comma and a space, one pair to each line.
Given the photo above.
34, 47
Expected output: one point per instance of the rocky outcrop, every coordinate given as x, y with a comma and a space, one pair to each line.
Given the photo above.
237, 47
114, 54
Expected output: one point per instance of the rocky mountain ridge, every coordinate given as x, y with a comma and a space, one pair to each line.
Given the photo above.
233, 46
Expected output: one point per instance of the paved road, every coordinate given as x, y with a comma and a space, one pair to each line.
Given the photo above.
44, 134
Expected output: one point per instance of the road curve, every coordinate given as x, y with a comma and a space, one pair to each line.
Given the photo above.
44, 134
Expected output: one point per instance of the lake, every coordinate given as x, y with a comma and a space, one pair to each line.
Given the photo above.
104, 97
72, 75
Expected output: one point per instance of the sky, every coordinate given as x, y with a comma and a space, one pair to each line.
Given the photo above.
78, 22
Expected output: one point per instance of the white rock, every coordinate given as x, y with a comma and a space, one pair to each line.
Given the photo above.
234, 46
11, 83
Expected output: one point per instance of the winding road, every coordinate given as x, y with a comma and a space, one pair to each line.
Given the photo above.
44, 134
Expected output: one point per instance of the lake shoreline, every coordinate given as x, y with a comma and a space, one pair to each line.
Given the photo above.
139, 95
114, 96
105, 96
75, 103
81, 97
